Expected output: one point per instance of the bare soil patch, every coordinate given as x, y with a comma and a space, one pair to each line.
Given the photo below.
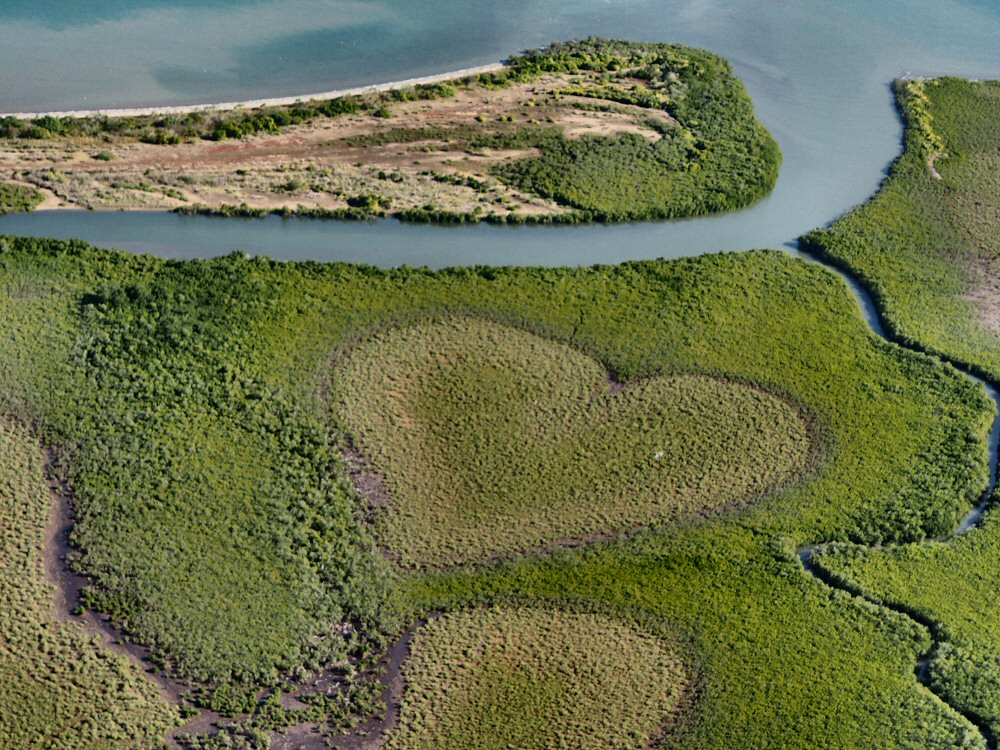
318, 165
371, 734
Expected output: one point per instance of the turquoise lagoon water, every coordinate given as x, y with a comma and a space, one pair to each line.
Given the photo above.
819, 72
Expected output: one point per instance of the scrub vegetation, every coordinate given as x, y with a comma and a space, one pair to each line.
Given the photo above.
59, 688
195, 408
595, 130
493, 440
18, 198
948, 584
927, 244
498, 678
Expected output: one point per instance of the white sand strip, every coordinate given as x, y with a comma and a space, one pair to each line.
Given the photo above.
253, 104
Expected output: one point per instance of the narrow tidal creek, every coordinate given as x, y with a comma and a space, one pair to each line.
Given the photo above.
970, 522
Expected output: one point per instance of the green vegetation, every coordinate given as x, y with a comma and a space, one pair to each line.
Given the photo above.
59, 689
423, 215
18, 198
493, 440
500, 678
783, 661
927, 247
950, 585
683, 141
362, 212
171, 130
192, 406
710, 155
716, 157
230, 562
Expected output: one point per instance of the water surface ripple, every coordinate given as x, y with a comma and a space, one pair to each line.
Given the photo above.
818, 71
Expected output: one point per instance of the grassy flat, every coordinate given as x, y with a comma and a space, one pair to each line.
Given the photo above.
493, 440
59, 689
487, 679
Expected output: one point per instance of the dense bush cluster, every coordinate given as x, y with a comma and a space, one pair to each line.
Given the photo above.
948, 585
718, 158
158, 390
17, 198
194, 406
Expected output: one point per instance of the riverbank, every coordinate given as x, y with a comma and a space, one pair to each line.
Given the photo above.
281, 101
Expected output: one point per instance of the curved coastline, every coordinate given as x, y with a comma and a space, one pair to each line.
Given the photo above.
282, 101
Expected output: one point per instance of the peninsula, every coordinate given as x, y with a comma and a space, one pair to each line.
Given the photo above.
598, 130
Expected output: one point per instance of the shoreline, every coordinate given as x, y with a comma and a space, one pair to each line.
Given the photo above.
282, 101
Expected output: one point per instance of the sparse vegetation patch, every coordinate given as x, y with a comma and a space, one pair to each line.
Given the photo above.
593, 130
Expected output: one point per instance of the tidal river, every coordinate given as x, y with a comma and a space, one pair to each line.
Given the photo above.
819, 72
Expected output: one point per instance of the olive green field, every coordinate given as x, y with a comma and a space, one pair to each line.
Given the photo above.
493, 440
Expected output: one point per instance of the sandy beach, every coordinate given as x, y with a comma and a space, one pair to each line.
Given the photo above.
273, 102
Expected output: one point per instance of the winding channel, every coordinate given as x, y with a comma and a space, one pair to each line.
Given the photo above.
970, 521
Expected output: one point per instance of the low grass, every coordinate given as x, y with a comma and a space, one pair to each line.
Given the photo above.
18, 198
486, 679
493, 440
192, 402
59, 688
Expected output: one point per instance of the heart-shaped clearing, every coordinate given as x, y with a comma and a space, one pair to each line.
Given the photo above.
528, 678
492, 440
